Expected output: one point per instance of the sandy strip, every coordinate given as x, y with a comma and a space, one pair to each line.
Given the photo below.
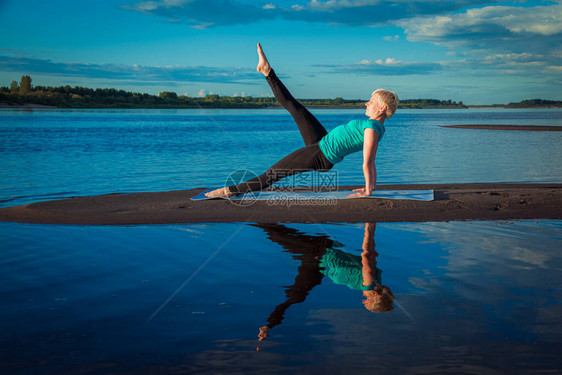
452, 202
537, 128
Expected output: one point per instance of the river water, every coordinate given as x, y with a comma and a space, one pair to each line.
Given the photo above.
469, 297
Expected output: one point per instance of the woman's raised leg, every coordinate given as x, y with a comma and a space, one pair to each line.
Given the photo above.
305, 159
310, 128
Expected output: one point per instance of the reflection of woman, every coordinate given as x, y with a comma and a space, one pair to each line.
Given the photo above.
322, 149
318, 259
360, 272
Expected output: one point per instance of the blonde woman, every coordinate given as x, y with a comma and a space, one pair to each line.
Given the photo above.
322, 149
319, 256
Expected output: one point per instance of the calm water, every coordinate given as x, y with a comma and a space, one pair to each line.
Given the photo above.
50, 154
470, 297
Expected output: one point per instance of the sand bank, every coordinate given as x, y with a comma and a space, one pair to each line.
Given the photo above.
452, 202
536, 128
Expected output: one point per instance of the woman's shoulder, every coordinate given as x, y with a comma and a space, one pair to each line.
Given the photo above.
367, 123
359, 123
376, 125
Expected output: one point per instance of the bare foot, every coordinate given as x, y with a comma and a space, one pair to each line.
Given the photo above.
220, 192
263, 333
263, 65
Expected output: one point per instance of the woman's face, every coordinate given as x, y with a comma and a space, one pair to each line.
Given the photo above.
373, 107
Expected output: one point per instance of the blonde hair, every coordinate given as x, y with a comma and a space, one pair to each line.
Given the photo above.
382, 303
388, 98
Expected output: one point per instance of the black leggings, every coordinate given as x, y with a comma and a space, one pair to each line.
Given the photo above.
308, 158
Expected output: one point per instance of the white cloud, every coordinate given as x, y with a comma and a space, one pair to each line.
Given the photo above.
334, 5
544, 20
517, 57
388, 61
215, 13
393, 38
141, 74
152, 5
387, 66
202, 25
201, 93
202, 14
509, 39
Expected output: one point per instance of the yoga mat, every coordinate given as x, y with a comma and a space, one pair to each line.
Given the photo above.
418, 195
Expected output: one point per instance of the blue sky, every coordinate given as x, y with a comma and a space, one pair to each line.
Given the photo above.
480, 52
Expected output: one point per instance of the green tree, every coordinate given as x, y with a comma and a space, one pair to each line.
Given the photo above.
14, 88
213, 98
168, 95
25, 85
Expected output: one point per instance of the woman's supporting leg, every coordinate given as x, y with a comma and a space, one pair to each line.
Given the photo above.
308, 158
310, 128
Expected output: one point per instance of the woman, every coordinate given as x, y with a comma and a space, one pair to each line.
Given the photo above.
322, 149
319, 256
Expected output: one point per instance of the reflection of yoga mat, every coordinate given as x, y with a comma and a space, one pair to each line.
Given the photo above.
418, 195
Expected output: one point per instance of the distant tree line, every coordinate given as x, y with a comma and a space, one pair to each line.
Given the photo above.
424, 103
536, 103
82, 97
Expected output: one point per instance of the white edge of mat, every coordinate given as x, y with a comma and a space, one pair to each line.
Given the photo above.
419, 195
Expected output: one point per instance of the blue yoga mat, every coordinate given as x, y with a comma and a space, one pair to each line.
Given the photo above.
418, 195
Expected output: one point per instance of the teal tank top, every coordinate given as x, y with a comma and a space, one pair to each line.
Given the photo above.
347, 138
346, 269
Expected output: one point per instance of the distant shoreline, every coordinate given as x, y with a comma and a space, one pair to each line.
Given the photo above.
358, 107
342, 107
23, 106
25, 95
508, 127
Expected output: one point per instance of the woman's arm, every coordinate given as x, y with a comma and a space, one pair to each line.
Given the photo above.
369, 255
370, 146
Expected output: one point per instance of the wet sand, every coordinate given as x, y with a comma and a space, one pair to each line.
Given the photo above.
536, 128
452, 202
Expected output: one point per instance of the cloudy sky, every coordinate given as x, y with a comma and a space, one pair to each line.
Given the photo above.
477, 51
